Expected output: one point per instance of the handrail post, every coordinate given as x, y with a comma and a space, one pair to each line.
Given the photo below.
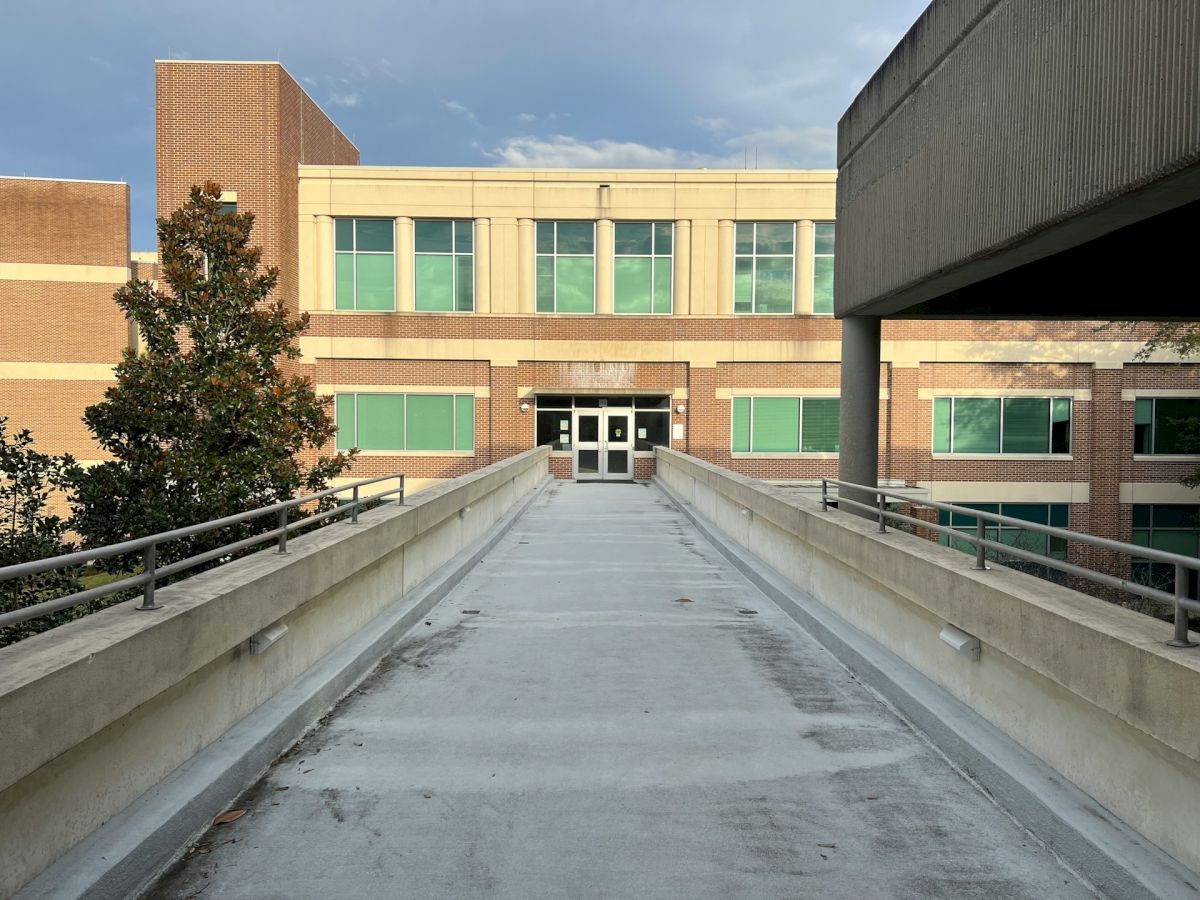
354, 507
401, 501
882, 504
148, 568
1181, 616
281, 523
824, 495
980, 525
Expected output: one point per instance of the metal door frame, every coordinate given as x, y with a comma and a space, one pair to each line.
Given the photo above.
602, 446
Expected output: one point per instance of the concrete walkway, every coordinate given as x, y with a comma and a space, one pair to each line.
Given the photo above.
588, 734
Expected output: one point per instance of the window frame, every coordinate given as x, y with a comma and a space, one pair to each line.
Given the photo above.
454, 255
1152, 453
754, 256
354, 254
555, 256
1050, 453
798, 452
1138, 562
654, 260
405, 451
817, 256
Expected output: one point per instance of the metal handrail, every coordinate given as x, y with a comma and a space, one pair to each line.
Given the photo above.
148, 547
1180, 601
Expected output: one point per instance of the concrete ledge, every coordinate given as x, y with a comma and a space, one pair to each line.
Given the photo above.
124, 855
1087, 687
134, 695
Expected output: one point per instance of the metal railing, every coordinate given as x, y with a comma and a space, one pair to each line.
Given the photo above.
1180, 600
148, 547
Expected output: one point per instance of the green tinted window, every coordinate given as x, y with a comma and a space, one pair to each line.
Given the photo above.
764, 267
566, 267
375, 281
345, 281
434, 282
941, 424
443, 265
1036, 425
741, 425
433, 422
430, 422
1176, 425
344, 411
823, 240
976, 425
775, 425
365, 264
823, 285
1026, 425
819, 424
1055, 514
381, 421
464, 422
642, 267
1170, 527
632, 283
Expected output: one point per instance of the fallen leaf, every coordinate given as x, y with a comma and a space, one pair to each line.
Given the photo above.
306, 771
470, 612
829, 846
872, 797
683, 600
428, 796
230, 815
284, 788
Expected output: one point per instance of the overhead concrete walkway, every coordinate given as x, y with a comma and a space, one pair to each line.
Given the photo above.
586, 734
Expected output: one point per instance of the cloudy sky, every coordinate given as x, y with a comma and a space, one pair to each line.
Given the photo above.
457, 82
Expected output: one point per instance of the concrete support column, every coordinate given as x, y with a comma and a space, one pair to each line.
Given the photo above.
604, 267
858, 458
483, 265
525, 267
323, 268
804, 267
681, 301
404, 264
725, 267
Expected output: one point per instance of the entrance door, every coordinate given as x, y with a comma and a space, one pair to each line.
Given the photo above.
603, 444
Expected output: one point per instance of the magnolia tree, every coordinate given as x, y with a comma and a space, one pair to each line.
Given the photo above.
206, 419
28, 532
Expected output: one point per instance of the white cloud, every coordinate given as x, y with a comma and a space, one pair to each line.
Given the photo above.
713, 124
775, 148
460, 109
875, 39
526, 117
348, 99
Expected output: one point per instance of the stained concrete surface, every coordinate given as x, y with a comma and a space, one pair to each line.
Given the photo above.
587, 734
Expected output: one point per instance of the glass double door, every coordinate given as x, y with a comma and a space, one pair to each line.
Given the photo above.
604, 444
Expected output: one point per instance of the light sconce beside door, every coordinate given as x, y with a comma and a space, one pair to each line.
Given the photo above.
524, 407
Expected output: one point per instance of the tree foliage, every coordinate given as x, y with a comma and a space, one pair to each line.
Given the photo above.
28, 532
207, 420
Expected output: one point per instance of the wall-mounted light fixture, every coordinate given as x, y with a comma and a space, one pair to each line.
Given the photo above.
681, 409
524, 407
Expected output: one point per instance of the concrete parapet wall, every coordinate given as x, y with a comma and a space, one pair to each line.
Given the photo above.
1088, 687
94, 713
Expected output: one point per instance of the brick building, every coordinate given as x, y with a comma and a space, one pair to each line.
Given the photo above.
462, 315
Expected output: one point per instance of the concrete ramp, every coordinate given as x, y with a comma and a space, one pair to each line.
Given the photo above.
604, 707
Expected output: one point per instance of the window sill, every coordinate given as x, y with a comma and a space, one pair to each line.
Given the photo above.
375, 453
783, 455
1166, 457
1015, 457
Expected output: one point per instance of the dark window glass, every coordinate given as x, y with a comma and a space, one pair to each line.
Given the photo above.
1175, 425
344, 234
618, 462
589, 428
652, 402
587, 402
656, 428
554, 427
618, 428
464, 232
375, 235
663, 233
545, 237
589, 462
553, 401
632, 238
619, 401
576, 237
432, 235
228, 207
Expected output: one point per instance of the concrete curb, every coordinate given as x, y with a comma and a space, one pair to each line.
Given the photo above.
123, 856
1115, 858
